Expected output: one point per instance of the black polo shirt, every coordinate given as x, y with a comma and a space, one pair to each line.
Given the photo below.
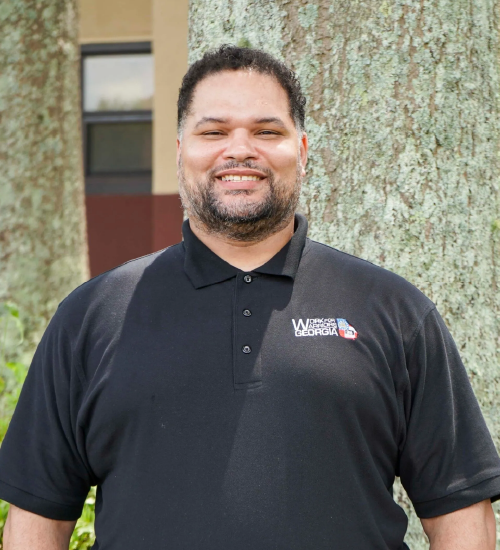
217, 409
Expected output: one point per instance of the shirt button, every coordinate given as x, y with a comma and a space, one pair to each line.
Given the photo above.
247, 312
247, 278
246, 349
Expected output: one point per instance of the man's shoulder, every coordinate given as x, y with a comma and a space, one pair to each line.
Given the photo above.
111, 291
365, 281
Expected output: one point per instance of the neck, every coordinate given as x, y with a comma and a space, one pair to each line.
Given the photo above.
243, 255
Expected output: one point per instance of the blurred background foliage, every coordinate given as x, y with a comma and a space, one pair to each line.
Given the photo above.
13, 371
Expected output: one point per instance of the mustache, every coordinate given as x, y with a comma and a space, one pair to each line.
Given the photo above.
234, 164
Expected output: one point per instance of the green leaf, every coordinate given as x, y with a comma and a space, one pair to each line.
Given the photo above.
19, 369
11, 309
10, 312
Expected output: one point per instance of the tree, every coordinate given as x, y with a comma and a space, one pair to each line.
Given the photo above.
43, 247
43, 250
403, 105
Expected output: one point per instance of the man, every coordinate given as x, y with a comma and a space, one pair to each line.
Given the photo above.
247, 388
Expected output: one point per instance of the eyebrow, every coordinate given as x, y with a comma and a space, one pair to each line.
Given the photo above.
206, 119
271, 120
265, 120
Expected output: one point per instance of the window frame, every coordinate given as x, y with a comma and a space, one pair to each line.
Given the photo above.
113, 183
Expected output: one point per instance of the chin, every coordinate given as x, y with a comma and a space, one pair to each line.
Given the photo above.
241, 205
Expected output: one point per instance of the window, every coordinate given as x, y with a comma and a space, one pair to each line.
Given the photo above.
117, 102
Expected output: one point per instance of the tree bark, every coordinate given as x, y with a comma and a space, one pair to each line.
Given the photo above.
403, 123
43, 248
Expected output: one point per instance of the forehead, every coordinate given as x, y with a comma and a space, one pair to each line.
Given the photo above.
241, 92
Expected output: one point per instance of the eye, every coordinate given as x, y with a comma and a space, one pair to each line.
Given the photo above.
268, 133
213, 133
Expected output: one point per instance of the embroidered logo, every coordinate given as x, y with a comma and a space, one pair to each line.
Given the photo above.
346, 330
324, 327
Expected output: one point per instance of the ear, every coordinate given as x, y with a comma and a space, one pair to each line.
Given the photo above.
178, 151
304, 148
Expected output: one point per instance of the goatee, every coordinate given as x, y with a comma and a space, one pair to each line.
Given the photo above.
241, 221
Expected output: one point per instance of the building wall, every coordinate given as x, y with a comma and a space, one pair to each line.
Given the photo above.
170, 27
116, 20
121, 227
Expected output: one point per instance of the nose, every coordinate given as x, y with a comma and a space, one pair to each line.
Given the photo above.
240, 146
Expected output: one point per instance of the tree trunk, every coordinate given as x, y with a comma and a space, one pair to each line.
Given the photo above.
403, 105
43, 250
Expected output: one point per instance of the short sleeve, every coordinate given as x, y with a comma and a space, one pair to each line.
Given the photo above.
448, 460
42, 468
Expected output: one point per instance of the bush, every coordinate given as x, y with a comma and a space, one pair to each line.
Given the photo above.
83, 536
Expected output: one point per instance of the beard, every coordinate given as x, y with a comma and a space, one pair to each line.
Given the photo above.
243, 220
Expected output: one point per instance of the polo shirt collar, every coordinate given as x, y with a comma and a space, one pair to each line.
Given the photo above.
203, 267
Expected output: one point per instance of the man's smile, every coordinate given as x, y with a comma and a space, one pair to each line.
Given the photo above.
240, 179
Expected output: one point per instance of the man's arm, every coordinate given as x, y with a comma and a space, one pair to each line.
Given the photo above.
471, 528
26, 530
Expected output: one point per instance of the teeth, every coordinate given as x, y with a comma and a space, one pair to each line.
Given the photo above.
233, 177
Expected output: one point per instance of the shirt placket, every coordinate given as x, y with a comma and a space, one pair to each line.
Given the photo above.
247, 372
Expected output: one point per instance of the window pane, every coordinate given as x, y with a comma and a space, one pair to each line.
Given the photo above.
119, 147
118, 82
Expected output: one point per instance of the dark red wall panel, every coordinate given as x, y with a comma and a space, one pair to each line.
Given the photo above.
123, 227
167, 218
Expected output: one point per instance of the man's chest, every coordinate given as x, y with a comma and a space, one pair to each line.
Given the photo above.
237, 363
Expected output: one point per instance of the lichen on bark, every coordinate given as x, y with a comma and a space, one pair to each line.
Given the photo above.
43, 251
403, 124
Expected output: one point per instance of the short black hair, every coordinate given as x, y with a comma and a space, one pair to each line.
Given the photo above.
233, 58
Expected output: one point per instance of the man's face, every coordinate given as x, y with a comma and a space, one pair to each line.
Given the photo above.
240, 158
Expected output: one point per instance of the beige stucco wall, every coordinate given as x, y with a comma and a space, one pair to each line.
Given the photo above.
170, 31
116, 20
